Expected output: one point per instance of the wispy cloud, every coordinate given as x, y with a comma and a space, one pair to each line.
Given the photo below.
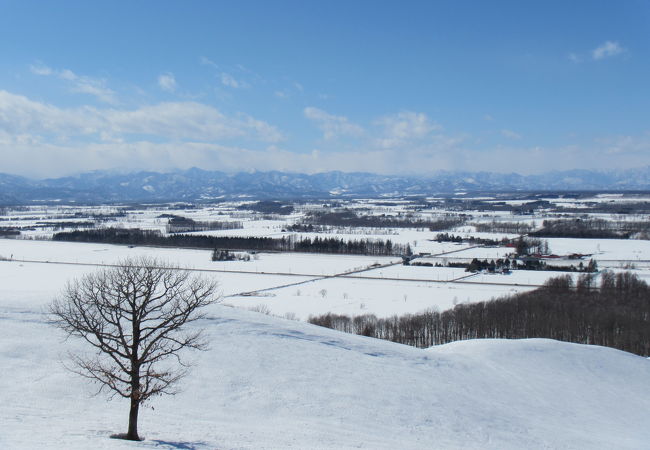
332, 126
40, 69
575, 58
226, 78
205, 61
294, 89
510, 134
230, 81
167, 82
79, 83
625, 145
607, 50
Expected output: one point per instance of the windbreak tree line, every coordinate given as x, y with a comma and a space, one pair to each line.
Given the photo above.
591, 228
283, 244
179, 224
348, 218
268, 207
446, 237
615, 314
503, 227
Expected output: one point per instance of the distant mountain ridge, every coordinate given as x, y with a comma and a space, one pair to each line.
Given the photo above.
201, 185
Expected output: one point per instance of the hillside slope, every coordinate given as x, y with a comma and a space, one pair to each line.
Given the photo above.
268, 383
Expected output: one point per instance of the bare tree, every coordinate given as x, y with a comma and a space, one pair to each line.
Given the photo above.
134, 315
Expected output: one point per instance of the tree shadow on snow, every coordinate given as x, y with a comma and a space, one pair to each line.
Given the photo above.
182, 445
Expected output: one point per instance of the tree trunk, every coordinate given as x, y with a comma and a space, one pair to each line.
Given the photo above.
132, 434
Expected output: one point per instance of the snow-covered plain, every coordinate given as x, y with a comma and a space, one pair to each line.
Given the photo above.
298, 285
294, 284
286, 263
383, 298
269, 383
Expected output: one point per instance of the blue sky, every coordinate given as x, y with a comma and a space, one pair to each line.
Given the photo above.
398, 87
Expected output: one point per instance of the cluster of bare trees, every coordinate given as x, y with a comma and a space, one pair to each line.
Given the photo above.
9, 232
531, 246
615, 314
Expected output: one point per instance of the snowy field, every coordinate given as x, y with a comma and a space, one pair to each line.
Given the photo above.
272, 383
383, 298
286, 263
269, 383
298, 284
293, 284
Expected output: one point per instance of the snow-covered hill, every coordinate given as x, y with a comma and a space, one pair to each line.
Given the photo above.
269, 383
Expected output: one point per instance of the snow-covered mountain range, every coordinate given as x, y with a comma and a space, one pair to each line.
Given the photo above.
196, 184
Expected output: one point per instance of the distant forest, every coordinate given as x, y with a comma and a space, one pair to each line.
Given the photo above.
593, 228
134, 236
348, 218
615, 314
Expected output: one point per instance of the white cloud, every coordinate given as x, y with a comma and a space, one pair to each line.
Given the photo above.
264, 131
405, 127
47, 159
510, 134
171, 120
167, 82
607, 50
40, 139
188, 121
30, 155
79, 83
332, 126
20, 115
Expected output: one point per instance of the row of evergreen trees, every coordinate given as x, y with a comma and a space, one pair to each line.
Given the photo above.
503, 227
588, 228
614, 314
134, 236
349, 218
